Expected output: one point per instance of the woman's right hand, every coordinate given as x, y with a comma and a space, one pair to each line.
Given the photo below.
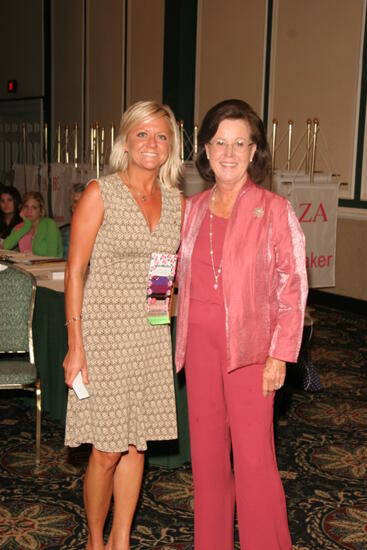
75, 361
26, 221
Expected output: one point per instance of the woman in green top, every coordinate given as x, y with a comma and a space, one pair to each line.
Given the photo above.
36, 233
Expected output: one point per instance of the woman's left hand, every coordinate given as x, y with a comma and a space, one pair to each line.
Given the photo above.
273, 375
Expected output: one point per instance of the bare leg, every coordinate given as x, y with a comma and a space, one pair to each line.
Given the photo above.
98, 484
126, 489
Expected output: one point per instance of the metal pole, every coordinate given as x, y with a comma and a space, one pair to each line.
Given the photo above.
76, 144
273, 142
45, 135
314, 142
195, 152
308, 145
289, 153
58, 142
91, 146
97, 148
182, 141
102, 147
25, 156
66, 143
112, 135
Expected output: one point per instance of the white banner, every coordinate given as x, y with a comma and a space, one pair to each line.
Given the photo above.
192, 182
316, 207
84, 173
30, 173
63, 177
61, 185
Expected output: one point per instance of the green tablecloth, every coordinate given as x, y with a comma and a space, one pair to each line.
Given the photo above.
50, 346
50, 343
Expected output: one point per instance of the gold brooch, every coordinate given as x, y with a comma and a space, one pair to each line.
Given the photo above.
259, 212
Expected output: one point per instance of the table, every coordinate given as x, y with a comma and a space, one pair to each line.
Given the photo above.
50, 347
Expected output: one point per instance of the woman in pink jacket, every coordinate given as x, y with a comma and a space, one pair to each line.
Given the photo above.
242, 295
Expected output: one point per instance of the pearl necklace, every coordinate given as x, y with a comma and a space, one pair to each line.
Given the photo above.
215, 273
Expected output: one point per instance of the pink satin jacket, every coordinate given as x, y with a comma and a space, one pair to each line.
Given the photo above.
264, 277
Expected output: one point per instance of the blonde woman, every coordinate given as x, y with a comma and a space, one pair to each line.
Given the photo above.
125, 362
35, 233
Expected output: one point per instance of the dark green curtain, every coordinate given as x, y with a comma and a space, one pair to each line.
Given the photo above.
179, 59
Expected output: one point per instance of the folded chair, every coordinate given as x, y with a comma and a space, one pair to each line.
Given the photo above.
17, 297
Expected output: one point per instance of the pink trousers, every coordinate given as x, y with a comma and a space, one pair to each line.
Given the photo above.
228, 411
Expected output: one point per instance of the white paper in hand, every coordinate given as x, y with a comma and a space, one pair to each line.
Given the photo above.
79, 387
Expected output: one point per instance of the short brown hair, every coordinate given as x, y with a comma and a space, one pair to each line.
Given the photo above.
234, 109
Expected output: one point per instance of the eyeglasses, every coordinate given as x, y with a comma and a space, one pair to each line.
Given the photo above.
239, 146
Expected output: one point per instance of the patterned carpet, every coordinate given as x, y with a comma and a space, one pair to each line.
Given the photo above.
321, 447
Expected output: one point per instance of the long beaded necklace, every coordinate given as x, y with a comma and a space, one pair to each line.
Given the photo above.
218, 272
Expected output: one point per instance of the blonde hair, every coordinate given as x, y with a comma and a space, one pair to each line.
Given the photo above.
171, 170
37, 197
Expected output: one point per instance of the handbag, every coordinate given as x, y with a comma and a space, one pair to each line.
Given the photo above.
310, 377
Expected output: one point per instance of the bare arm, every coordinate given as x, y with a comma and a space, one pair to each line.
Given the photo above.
87, 220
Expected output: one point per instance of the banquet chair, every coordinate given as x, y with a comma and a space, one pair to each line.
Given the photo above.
17, 364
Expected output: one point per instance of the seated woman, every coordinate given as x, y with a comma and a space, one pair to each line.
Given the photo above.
9, 210
35, 233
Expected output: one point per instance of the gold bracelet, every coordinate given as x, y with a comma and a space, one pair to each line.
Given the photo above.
73, 319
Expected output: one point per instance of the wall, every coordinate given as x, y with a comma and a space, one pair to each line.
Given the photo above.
105, 61
21, 43
22, 59
67, 68
315, 73
230, 53
88, 81
351, 259
145, 44
315, 70
316, 66
87, 60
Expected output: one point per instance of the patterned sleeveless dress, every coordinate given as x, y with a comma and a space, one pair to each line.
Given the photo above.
129, 361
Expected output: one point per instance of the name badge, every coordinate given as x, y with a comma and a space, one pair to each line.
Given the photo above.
159, 287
